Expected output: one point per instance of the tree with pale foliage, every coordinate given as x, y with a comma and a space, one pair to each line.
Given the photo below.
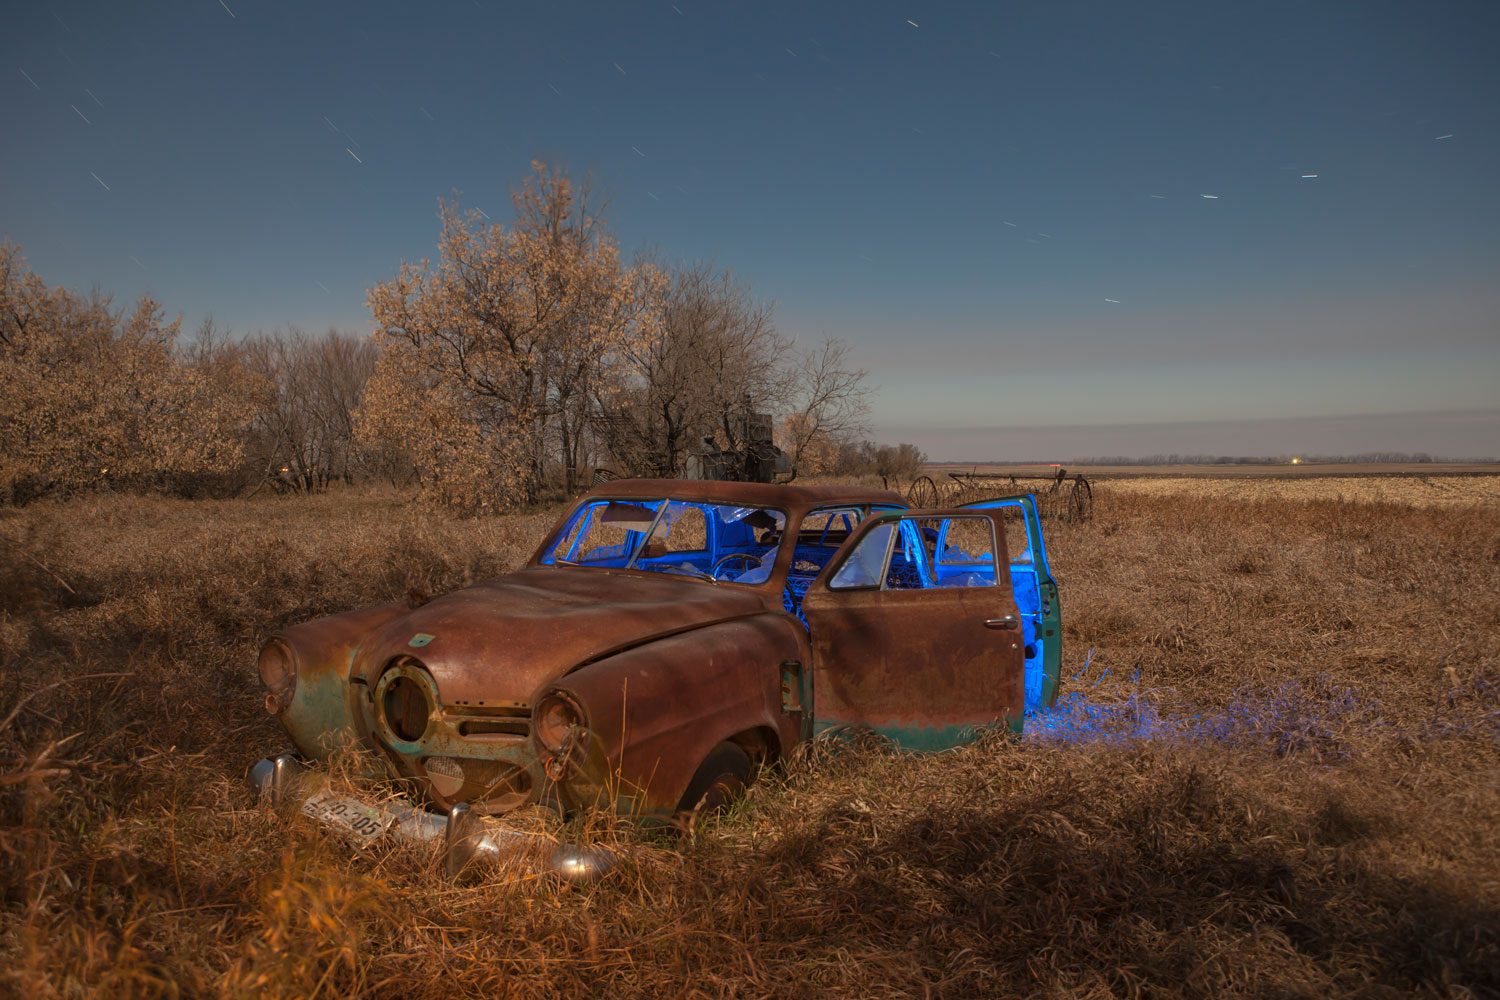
486, 355
95, 396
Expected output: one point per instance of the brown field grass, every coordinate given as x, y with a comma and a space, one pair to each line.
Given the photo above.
1405, 491
1304, 470
1276, 773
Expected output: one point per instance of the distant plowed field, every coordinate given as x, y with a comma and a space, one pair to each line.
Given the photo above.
1413, 491
1425, 485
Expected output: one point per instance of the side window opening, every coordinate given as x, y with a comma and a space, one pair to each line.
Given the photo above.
865, 566
920, 553
966, 553
1017, 542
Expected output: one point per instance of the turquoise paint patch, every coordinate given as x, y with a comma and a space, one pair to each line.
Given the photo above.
920, 738
421, 639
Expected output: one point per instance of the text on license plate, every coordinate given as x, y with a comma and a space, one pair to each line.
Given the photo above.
350, 816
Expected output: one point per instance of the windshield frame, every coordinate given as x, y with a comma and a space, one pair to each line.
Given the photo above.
546, 555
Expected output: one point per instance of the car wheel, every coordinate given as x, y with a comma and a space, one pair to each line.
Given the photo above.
719, 780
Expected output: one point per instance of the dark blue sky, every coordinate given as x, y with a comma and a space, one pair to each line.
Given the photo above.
1002, 204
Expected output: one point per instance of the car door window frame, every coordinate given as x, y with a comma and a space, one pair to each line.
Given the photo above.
901, 522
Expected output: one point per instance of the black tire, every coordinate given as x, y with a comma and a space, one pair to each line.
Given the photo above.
717, 783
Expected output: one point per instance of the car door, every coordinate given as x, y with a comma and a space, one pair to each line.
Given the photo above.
1036, 595
915, 631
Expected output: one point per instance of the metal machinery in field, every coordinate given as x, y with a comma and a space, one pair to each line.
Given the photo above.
1068, 498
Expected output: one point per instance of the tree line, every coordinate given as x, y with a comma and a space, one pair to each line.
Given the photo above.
1364, 458
524, 357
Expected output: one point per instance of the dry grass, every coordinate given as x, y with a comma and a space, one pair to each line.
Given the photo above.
1275, 774
1404, 491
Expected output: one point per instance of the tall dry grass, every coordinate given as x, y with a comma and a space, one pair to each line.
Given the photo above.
1275, 773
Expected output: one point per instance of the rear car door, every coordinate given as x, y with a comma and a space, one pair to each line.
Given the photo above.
915, 631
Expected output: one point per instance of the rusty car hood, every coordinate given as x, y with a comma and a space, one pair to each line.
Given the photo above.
498, 642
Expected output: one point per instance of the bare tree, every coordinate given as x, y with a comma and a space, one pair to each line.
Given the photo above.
827, 405
303, 435
715, 349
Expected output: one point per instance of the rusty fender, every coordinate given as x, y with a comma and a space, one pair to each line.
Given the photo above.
654, 712
317, 715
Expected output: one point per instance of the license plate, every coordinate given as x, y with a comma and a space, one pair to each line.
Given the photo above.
351, 817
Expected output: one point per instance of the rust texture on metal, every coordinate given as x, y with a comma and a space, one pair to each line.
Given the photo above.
925, 666
318, 717
656, 711
922, 664
569, 686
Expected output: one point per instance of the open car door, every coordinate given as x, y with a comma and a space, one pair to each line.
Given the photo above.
915, 630
1035, 592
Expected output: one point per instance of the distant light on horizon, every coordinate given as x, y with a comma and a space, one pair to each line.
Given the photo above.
776, 169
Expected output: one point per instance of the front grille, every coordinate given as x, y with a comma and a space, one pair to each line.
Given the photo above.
482, 728
498, 723
448, 767
492, 786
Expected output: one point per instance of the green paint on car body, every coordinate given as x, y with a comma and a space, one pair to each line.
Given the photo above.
421, 639
919, 738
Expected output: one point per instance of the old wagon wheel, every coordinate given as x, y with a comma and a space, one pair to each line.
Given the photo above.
1080, 500
923, 492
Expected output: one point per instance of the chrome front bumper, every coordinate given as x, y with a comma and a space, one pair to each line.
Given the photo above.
466, 838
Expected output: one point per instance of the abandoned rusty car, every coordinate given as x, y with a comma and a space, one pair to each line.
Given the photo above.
669, 637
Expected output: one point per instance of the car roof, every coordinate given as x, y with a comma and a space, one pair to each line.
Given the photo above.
747, 494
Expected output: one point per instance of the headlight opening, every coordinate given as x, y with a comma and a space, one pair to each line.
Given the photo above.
405, 699
278, 672
561, 729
